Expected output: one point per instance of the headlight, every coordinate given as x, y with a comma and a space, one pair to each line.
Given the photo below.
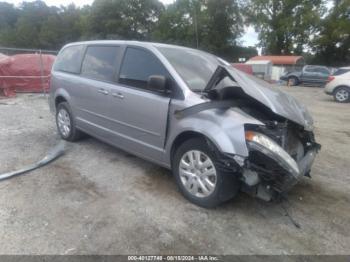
270, 148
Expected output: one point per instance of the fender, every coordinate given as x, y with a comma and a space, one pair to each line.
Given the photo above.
60, 92
223, 127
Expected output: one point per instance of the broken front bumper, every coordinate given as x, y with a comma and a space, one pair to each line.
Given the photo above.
287, 181
276, 173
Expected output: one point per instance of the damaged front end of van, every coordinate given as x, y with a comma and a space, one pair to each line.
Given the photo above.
279, 144
279, 155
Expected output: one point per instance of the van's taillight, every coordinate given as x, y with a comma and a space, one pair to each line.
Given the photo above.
330, 78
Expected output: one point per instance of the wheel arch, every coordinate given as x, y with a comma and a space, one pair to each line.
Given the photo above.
225, 131
215, 138
59, 99
184, 136
340, 86
60, 96
294, 76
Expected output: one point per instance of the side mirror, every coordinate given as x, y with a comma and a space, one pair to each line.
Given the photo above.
157, 83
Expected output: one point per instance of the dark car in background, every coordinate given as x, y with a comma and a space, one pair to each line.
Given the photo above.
310, 75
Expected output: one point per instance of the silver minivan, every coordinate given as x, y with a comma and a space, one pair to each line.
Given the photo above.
219, 130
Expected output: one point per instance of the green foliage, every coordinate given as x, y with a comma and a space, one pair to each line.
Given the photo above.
8, 15
212, 25
124, 19
35, 25
284, 26
176, 24
332, 45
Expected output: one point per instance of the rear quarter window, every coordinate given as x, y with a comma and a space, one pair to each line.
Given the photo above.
69, 59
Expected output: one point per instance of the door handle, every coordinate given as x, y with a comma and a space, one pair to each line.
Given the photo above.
118, 95
103, 91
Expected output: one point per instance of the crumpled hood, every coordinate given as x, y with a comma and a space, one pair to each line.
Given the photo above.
279, 102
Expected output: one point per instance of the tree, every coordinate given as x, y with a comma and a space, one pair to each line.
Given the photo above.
176, 24
32, 16
124, 19
8, 15
332, 45
223, 25
284, 26
62, 26
8, 18
35, 25
212, 25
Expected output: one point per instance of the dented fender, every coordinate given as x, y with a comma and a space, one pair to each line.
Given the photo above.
224, 127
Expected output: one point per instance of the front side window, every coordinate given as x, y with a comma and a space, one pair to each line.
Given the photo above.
69, 60
138, 65
100, 62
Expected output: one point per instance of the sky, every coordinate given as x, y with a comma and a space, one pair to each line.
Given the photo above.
249, 38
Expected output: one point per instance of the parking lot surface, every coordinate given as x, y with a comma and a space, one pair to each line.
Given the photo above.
100, 200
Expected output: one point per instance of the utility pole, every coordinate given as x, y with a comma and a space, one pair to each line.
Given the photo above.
195, 23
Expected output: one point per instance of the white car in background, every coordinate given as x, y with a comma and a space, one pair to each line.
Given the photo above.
339, 85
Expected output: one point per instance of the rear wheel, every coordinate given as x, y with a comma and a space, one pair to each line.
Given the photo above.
66, 124
293, 81
342, 95
198, 176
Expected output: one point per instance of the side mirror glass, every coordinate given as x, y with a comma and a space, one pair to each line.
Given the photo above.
157, 83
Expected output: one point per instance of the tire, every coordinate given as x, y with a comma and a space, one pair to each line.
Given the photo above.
204, 194
66, 124
293, 81
342, 94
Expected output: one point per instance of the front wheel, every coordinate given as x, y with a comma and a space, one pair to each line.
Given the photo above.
198, 176
342, 95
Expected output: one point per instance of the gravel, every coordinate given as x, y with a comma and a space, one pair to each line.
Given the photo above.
100, 200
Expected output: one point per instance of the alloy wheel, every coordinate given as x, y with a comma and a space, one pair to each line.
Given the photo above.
342, 95
197, 173
63, 121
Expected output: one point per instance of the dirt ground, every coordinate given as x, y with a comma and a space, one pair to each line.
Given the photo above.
99, 200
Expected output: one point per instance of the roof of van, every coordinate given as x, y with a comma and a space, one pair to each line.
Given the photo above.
139, 43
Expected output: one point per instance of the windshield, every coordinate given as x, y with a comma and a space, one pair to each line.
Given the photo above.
194, 66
